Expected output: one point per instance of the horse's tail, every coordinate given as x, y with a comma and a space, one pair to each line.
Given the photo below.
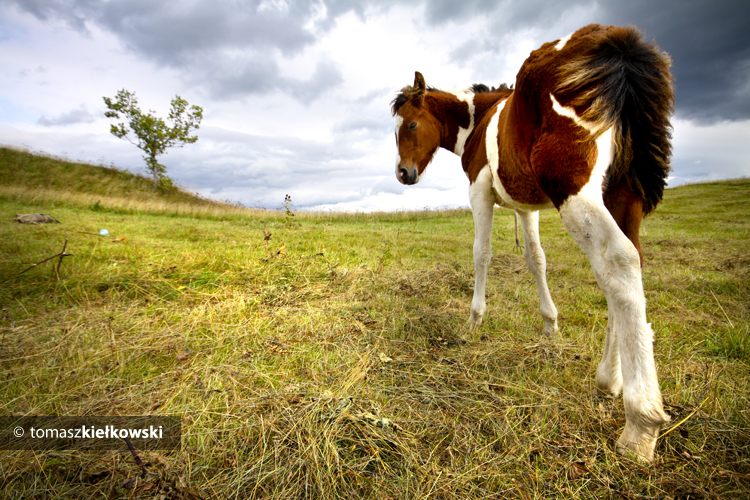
624, 82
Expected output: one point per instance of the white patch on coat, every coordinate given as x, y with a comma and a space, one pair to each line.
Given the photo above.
562, 42
605, 153
569, 112
463, 133
490, 144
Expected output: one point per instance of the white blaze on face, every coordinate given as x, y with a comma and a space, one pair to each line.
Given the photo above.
399, 122
463, 133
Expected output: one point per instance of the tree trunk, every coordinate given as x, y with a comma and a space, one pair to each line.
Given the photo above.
154, 167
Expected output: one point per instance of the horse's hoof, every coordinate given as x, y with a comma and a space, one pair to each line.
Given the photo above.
597, 393
550, 330
474, 322
638, 444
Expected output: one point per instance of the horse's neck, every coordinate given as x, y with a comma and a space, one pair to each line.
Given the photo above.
459, 120
455, 110
485, 102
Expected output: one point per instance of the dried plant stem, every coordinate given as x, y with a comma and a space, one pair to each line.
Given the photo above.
56, 269
722, 310
675, 426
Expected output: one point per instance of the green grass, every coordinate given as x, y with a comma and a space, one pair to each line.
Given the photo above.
332, 361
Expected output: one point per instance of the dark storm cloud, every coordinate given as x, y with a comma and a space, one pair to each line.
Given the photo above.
171, 32
507, 15
234, 46
709, 41
67, 10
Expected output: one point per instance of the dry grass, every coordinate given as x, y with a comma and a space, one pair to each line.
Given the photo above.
334, 362
123, 205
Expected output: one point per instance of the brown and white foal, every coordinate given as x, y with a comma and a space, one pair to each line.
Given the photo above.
586, 130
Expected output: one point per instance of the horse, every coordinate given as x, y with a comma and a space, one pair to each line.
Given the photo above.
585, 130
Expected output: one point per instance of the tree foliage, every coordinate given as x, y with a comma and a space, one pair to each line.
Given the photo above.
151, 134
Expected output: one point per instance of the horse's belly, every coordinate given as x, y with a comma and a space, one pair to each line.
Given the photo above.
531, 199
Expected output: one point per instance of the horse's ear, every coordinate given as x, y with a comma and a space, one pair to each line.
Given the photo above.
420, 88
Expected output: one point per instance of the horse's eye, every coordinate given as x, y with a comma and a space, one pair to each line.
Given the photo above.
412, 125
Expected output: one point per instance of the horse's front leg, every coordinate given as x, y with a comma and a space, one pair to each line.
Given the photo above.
482, 207
537, 264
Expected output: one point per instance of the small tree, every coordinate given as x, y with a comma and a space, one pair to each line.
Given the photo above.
152, 135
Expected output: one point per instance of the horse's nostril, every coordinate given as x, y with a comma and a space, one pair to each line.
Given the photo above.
407, 175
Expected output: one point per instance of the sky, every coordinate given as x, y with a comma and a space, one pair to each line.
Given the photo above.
296, 94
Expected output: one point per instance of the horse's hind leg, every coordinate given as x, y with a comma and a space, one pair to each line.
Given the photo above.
616, 265
609, 372
535, 260
482, 207
626, 208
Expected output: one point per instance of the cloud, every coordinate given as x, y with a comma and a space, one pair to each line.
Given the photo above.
506, 16
296, 93
75, 116
260, 74
172, 32
326, 76
236, 47
364, 124
66, 10
709, 41
728, 156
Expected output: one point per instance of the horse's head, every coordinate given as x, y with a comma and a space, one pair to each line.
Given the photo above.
417, 131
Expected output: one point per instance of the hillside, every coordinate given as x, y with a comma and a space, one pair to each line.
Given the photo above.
326, 356
43, 178
22, 168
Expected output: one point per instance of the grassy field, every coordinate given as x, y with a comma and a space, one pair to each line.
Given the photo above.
325, 356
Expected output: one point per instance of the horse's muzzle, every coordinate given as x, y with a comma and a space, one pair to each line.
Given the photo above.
407, 175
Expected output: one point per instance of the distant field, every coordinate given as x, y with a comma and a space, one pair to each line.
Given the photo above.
325, 356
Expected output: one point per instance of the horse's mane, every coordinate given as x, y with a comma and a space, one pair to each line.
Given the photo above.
477, 88
480, 88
